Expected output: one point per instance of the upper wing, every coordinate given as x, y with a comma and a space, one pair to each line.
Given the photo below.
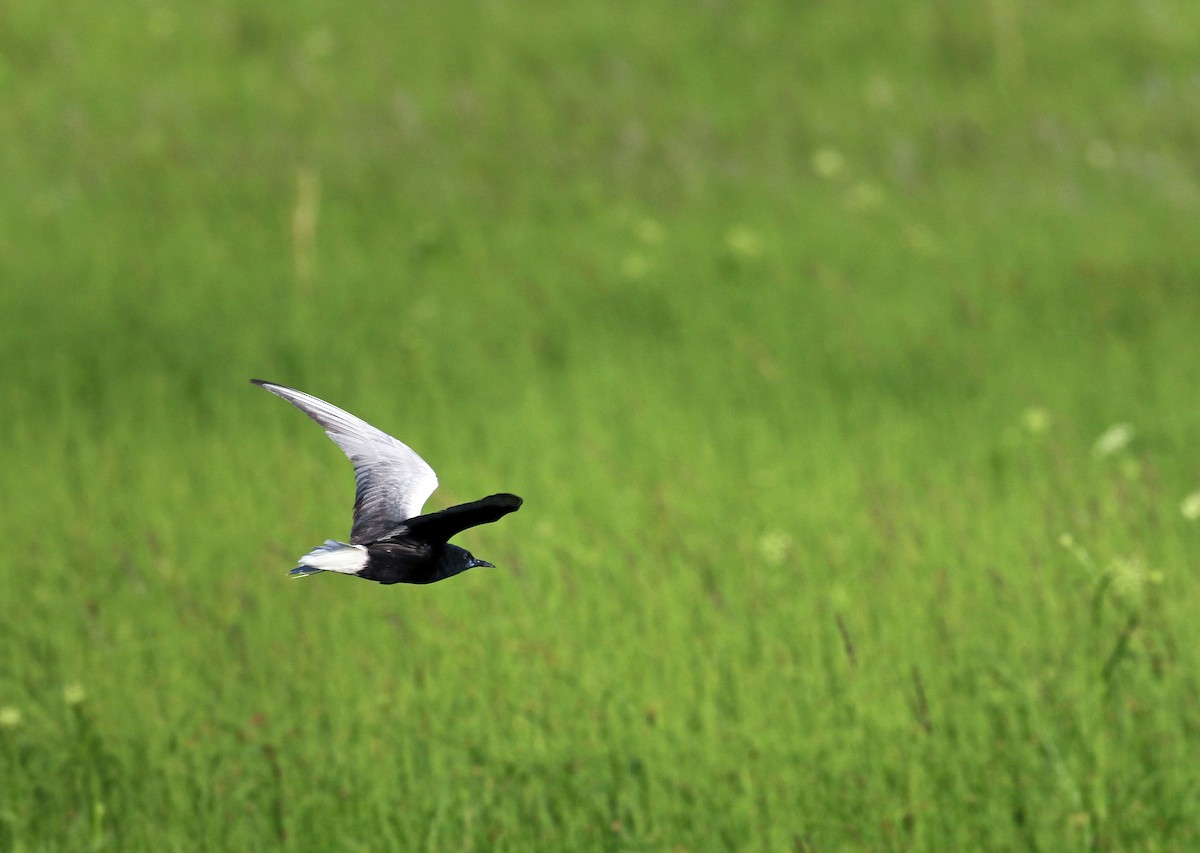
392, 481
440, 526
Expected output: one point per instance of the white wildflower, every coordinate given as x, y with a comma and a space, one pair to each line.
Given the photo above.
635, 266
73, 693
828, 162
319, 43
1035, 420
922, 241
879, 92
865, 196
744, 242
1113, 440
774, 547
649, 232
1077, 551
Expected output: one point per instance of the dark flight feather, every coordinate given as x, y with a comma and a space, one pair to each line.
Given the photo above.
440, 526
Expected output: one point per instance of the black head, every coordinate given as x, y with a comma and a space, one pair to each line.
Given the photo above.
455, 560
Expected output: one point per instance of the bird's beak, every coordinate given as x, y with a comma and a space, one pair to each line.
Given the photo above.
484, 563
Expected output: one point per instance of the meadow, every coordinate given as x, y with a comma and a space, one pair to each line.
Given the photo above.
845, 356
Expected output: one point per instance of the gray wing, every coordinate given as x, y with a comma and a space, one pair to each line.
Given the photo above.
392, 482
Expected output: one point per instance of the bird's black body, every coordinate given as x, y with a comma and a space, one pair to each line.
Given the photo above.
390, 540
418, 551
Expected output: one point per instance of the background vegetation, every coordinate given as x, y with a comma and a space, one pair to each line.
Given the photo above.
845, 355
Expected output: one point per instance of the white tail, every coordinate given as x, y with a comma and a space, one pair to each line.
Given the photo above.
332, 557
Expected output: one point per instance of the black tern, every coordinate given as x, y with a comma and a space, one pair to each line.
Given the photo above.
390, 541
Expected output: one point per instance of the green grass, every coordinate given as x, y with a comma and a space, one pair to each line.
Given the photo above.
795, 325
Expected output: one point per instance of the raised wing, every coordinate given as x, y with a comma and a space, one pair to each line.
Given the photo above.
392, 482
440, 526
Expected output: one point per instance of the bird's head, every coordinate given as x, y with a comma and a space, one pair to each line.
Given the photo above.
455, 560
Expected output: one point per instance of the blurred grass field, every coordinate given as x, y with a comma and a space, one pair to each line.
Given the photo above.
845, 357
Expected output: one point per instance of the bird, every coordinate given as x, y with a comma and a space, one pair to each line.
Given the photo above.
390, 540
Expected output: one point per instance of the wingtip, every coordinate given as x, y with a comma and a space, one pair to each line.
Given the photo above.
274, 387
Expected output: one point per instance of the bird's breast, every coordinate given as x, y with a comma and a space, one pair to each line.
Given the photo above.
400, 561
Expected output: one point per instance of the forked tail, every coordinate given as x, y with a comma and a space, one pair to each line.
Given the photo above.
332, 557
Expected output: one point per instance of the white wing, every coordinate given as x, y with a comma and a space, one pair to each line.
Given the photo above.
392, 481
